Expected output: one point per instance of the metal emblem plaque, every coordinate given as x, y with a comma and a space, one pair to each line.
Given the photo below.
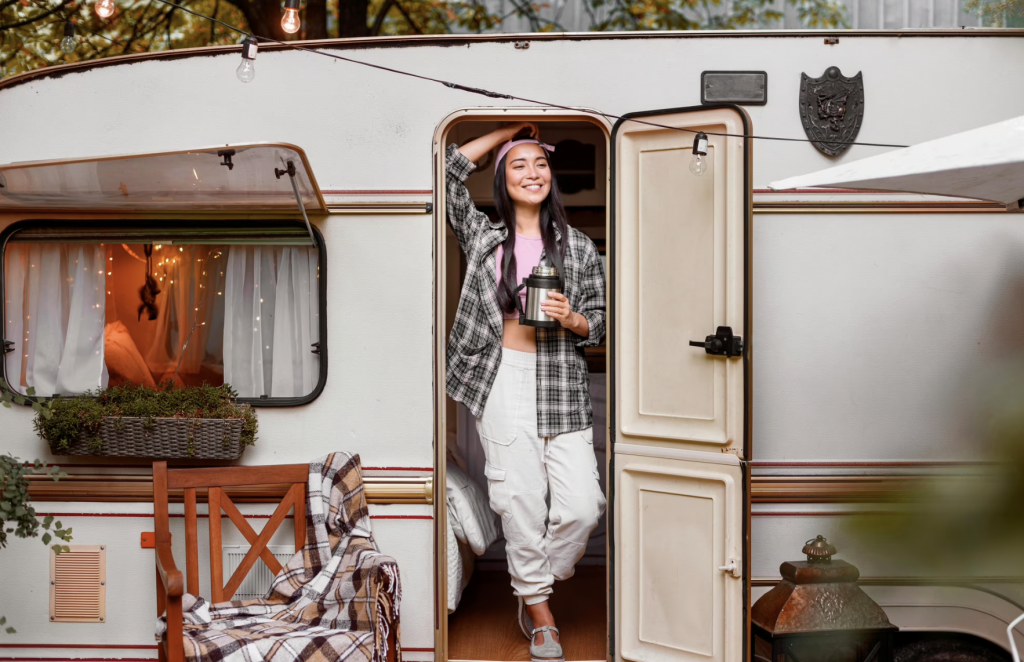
832, 109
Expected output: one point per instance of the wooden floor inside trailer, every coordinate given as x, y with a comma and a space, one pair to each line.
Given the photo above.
484, 626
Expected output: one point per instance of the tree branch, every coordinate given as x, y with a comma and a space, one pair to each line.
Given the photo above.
378, 22
38, 17
408, 19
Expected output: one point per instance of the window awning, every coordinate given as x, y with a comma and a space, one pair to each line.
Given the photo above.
250, 177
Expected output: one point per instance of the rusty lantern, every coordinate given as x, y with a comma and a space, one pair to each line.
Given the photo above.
818, 613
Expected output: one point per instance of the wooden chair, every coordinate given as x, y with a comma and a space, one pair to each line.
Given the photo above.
170, 585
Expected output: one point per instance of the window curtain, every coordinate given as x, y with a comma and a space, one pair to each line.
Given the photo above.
271, 320
191, 305
55, 316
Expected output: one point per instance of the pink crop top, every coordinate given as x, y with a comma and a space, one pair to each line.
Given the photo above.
527, 252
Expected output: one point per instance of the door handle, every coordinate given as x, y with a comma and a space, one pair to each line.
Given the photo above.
723, 343
732, 569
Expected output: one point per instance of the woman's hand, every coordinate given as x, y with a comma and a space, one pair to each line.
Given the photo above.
512, 130
476, 149
557, 308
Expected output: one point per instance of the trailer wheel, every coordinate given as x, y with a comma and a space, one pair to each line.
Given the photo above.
910, 647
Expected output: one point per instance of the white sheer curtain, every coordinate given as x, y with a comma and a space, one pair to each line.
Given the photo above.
271, 320
55, 312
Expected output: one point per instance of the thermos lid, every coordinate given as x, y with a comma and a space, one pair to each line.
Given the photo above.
544, 270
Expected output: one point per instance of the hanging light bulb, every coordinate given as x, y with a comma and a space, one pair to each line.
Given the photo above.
290, 22
105, 8
699, 162
246, 70
67, 44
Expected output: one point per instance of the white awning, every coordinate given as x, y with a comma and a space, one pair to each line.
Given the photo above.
226, 178
985, 164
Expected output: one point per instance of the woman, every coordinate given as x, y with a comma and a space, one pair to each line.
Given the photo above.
528, 387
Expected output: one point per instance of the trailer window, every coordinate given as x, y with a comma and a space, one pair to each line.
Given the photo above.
90, 308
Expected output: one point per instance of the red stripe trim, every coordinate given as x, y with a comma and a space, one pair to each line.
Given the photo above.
107, 646
377, 192
820, 190
203, 515
811, 513
811, 464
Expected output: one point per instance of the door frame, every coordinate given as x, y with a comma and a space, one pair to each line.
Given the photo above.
611, 248
507, 114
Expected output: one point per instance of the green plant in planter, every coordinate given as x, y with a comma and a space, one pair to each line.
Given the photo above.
71, 417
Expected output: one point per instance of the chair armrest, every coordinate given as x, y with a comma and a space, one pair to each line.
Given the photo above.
170, 576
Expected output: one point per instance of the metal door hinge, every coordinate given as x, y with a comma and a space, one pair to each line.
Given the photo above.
8, 346
316, 348
723, 343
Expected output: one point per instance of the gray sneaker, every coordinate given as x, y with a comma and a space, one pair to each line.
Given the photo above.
549, 650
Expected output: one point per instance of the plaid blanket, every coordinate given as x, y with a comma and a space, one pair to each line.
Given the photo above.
336, 600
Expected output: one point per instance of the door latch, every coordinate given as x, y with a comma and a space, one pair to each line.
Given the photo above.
8, 346
723, 343
732, 569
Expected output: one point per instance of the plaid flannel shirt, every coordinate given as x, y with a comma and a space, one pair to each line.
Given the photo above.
474, 347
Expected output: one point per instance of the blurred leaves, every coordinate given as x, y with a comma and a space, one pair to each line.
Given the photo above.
968, 523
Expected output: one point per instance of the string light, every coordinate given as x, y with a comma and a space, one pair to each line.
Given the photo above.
246, 70
105, 8
698, 164
290, 22
68, 44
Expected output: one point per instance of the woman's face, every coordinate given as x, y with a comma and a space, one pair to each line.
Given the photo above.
527, 174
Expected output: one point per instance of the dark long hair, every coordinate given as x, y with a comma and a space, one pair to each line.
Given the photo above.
552, 216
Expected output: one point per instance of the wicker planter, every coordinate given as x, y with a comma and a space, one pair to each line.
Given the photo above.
212, 438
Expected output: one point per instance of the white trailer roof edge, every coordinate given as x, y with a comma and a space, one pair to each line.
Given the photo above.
365, 43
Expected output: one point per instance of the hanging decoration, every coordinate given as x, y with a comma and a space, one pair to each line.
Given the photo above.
150, 289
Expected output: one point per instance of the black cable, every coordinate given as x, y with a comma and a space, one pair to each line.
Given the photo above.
500, 95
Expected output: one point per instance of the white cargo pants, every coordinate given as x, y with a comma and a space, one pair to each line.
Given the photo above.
542, 543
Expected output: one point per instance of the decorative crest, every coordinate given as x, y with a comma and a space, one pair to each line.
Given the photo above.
832, 109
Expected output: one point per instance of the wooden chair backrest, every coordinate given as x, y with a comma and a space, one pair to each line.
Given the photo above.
289, 478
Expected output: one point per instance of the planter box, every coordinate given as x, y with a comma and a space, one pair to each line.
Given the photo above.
213, 438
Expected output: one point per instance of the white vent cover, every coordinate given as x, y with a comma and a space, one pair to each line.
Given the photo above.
257, 582
78, 584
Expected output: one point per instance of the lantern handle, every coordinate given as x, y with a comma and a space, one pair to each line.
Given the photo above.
1009, 633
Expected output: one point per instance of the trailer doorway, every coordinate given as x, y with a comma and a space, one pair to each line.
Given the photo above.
476, 608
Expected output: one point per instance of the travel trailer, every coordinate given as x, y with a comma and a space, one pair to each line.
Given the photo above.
860, 316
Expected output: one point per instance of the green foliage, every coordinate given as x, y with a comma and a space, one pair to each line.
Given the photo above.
8, 395
72, 417
17, 515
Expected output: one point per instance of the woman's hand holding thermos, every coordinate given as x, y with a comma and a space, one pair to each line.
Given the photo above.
557, 307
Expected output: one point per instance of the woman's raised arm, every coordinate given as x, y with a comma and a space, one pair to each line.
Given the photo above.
474, 150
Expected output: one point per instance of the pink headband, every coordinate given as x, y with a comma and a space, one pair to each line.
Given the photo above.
512, 143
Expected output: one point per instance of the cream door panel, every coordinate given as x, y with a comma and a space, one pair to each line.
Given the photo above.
680, 275
679, 532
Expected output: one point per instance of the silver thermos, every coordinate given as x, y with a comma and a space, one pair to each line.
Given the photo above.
544, 280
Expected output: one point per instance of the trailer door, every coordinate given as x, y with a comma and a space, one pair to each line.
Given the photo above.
680, 266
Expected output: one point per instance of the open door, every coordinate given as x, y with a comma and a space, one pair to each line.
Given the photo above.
681, 413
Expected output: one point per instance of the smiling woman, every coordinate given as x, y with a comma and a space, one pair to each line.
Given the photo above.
526, 386
98, 307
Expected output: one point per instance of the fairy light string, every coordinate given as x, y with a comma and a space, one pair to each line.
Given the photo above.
511, 97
